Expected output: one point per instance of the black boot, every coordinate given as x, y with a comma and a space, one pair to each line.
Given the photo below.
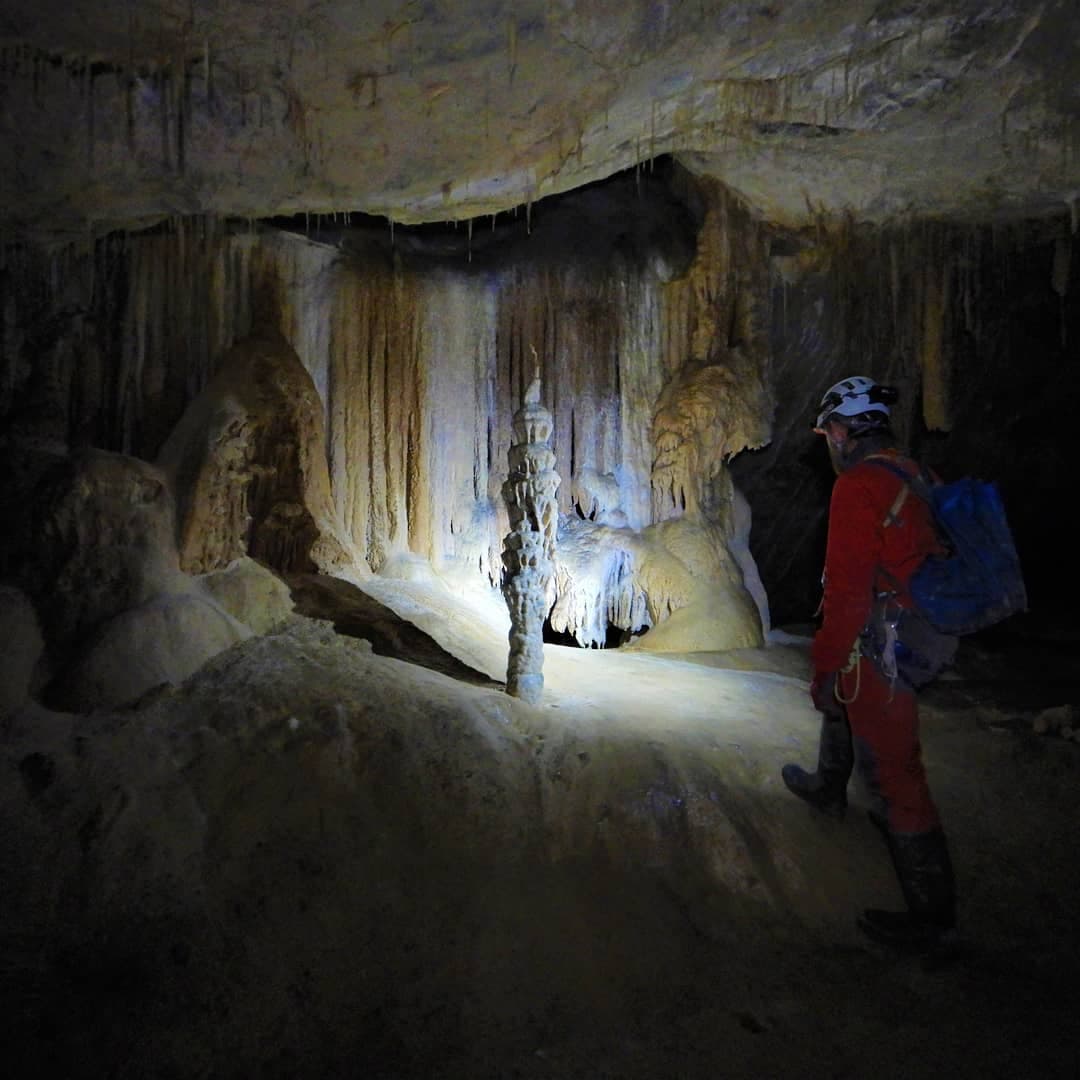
925, 873
826, 788
816, 789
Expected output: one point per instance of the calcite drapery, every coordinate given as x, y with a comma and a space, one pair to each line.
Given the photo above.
418, 359
529, 548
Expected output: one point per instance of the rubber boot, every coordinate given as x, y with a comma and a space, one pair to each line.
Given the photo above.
825, 789
925, 873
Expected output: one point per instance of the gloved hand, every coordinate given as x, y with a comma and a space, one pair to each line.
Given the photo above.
823, 693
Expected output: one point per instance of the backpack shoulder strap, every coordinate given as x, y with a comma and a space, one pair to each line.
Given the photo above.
893, 515
910, 483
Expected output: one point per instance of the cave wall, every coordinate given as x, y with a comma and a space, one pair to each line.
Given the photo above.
978, 326
629, 298
420, 344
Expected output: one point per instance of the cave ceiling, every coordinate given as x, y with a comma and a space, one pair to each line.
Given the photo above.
117, 112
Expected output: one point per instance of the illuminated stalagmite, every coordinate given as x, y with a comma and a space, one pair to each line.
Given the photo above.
529, 549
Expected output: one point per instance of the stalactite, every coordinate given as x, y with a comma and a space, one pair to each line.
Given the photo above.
208, 80
182, 109
158, 85
417, 371
90, 115
936, 406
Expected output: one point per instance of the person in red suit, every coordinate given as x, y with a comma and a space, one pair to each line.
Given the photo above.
877, 538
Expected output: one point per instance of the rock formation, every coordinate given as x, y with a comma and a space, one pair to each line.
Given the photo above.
350, 405
418, 116
529, 548
250, 593
103, 524
247, 462
118, 615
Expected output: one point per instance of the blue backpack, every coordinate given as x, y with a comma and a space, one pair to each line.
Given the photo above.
978, 582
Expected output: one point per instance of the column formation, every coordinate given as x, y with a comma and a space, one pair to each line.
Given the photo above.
529, 548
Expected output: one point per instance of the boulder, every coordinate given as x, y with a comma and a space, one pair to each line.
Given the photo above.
250, 593
161, 642
104, 543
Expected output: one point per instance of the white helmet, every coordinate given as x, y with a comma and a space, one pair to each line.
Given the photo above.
856, 396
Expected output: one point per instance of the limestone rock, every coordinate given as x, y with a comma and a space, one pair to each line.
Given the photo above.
248, 465
250, 593
187, 860
105, 542
118, 614
704, 416
721, 618
798, 105
634, 580
689, 566
161, 642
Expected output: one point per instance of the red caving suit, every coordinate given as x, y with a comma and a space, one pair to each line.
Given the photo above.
884, 718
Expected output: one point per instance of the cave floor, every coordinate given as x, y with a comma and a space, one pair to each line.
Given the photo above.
767, 1003
313, 860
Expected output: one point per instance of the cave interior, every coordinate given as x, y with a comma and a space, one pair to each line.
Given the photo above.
275, 287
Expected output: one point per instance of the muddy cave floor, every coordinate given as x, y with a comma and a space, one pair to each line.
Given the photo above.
316, 860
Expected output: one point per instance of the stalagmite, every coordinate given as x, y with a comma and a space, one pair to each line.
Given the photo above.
529, 547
